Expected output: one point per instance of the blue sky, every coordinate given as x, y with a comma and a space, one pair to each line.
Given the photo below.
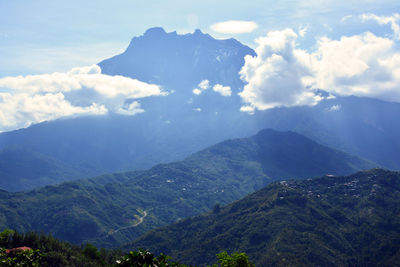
43, 36
48, 51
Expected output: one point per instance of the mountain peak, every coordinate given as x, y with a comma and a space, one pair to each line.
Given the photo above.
159, 31
155, 31
165, 57
198, 32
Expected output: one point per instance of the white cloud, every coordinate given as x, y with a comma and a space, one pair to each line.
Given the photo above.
196, 91
275, 76
202, 86
335, 108
222, 90
80, 91
21, 110
197, 109
345, 18
248, 109
205, 84
362, 65
131, 109
392, 20
80, 78
283, 75
234, 26
303, 30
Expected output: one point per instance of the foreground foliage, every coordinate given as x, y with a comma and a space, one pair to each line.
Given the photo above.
235, 260
145, 258
48, 251
23, 258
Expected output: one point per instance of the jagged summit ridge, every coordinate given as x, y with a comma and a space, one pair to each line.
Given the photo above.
175, 60
161, 31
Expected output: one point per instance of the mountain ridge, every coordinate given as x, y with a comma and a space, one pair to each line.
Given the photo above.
91, 209
327, 221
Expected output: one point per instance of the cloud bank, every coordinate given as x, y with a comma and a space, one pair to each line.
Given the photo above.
81, 91
20, 110
281, 74
234, 26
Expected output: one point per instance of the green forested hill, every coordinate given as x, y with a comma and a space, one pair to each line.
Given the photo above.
113, 209
329, 221
22, 169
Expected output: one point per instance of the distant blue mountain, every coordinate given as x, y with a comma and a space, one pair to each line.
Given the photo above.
179, 63
362, 126
170, 129
176, 125
174, 60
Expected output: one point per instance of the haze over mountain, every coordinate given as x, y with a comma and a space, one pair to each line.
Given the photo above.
360, 126
117, 118
112, 209
22, 169
327, 221
170, 129
184, 121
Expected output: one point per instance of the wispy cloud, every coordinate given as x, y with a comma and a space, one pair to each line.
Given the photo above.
346, 18
303, 30
234, 26
20, 58
392, 20
334, 108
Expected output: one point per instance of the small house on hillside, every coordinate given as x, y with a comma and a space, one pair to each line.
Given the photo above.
15, 250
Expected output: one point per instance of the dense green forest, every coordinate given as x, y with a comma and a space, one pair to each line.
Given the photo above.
114, 209
329, 221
